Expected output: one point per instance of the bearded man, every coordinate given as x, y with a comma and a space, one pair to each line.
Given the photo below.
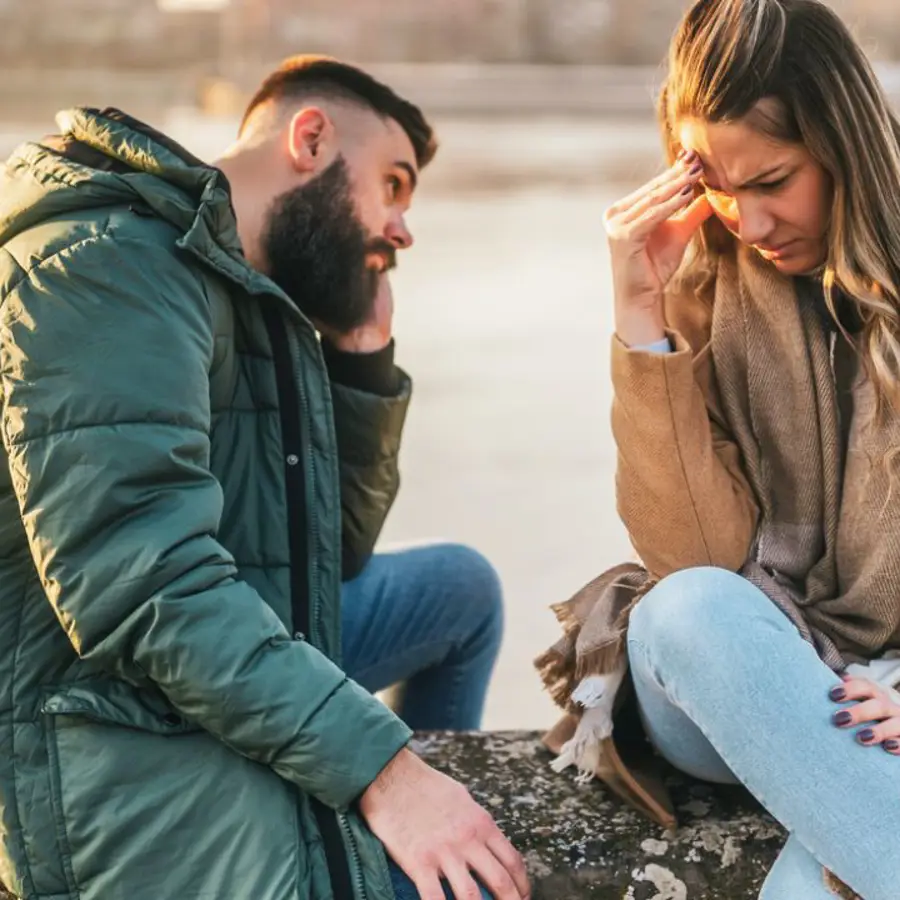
201, 417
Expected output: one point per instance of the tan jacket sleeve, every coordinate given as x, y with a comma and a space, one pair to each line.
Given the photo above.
680, 488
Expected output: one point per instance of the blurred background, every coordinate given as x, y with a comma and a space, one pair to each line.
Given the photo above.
544, 109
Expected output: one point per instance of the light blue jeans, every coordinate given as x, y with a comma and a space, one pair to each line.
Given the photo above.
431, 617
729, 691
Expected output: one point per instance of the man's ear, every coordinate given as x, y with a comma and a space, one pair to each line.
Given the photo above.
310, 136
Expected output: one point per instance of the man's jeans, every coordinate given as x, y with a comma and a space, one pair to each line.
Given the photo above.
404, 889
432, 617
729, 691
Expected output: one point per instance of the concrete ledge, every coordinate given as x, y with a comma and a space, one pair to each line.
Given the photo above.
581, 843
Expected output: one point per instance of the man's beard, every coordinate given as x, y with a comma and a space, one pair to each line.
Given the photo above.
316, 247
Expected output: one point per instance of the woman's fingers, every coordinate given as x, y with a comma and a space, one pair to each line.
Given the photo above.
873, 706
676, 170
642, 227
855, 689
885, 732
675, 178
683, 186
688, 220
868, 711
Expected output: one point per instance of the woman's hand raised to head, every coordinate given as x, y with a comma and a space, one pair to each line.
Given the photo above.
649, 232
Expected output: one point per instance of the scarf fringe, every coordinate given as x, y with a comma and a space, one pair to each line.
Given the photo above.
562, 669
584, 749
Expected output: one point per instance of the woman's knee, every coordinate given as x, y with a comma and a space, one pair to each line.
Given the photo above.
683, 607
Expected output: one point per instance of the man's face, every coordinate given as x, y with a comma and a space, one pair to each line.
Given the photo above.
328, 242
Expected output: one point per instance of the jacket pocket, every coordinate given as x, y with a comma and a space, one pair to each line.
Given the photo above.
117, 703
148, 805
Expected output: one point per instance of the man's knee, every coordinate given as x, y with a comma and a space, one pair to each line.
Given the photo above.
681, 610
472, 583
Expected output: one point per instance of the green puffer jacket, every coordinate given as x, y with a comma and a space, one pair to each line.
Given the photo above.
174, 722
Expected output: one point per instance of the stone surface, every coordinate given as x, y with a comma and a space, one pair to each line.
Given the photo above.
580, 841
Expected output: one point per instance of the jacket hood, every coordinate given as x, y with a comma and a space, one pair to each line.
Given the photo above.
107, 158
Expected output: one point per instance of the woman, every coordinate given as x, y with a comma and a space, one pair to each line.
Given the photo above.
756, 371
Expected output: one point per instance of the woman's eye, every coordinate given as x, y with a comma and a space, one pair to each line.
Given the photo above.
772, 185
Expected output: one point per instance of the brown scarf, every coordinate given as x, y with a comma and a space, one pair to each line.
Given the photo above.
827, 548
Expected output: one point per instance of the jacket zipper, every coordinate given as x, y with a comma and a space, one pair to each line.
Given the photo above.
354, 850
290, 403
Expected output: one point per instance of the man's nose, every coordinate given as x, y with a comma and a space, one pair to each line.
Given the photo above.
399, 235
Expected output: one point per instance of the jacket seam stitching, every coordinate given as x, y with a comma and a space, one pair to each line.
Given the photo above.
87, 426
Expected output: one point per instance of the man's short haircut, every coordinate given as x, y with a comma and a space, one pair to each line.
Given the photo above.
300, 77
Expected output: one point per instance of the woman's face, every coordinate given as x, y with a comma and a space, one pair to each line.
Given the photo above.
773, 196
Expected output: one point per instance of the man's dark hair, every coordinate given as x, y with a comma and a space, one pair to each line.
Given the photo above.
305, 76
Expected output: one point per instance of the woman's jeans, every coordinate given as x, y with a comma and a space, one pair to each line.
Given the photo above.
729, 691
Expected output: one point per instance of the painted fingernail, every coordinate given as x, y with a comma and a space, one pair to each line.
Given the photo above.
690, 155
696, 169
687, 190
837, 694
842, 718
891, 746
866, 736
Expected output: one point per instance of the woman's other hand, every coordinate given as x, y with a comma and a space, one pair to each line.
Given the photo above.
872, 705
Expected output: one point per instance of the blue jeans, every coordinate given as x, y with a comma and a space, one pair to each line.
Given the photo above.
431, 617
404, 889
729, 691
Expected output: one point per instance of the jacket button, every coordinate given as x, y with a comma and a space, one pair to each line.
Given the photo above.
299, 636
292, 459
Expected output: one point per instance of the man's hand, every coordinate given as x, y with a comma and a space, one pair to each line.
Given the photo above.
433, 829
373, 335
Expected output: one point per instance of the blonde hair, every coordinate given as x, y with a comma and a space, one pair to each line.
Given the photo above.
820, 90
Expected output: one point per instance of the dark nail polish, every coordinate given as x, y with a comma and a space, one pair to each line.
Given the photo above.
842, 718
866, 736
696, 169
687, 190
690, 155
837, 694
891, 745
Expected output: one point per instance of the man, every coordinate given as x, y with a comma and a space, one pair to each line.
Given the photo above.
183, 482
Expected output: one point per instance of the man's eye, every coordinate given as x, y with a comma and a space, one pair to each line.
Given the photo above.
395, 185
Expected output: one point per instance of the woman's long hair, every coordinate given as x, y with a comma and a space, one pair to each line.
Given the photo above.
821, 91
